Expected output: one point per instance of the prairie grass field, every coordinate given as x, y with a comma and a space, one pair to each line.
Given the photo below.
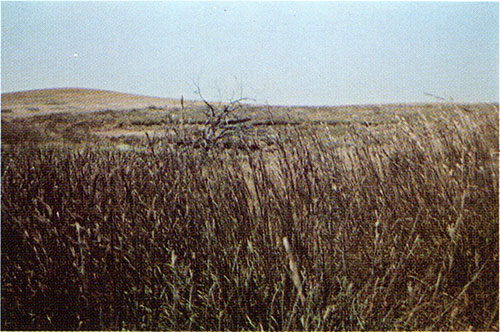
368, 218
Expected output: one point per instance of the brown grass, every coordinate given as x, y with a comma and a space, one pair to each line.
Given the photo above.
372, 230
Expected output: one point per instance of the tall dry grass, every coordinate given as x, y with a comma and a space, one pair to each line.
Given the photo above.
399, 232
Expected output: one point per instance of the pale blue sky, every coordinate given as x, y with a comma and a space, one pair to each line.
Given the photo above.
315, 53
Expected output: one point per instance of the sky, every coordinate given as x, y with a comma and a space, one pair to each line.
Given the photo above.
287, 53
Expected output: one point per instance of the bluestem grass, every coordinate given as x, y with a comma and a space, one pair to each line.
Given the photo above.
384, 230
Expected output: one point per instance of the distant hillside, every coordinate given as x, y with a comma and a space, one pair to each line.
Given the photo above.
32, 102
78, 100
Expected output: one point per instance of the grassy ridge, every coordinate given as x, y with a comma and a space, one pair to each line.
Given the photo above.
399, 235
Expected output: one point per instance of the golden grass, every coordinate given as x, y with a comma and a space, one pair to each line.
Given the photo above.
73, 100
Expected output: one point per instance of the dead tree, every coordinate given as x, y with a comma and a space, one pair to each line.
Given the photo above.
222, 122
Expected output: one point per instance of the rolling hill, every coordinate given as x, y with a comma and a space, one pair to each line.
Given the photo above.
45, 101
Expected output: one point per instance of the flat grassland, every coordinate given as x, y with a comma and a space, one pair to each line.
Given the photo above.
368, 217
